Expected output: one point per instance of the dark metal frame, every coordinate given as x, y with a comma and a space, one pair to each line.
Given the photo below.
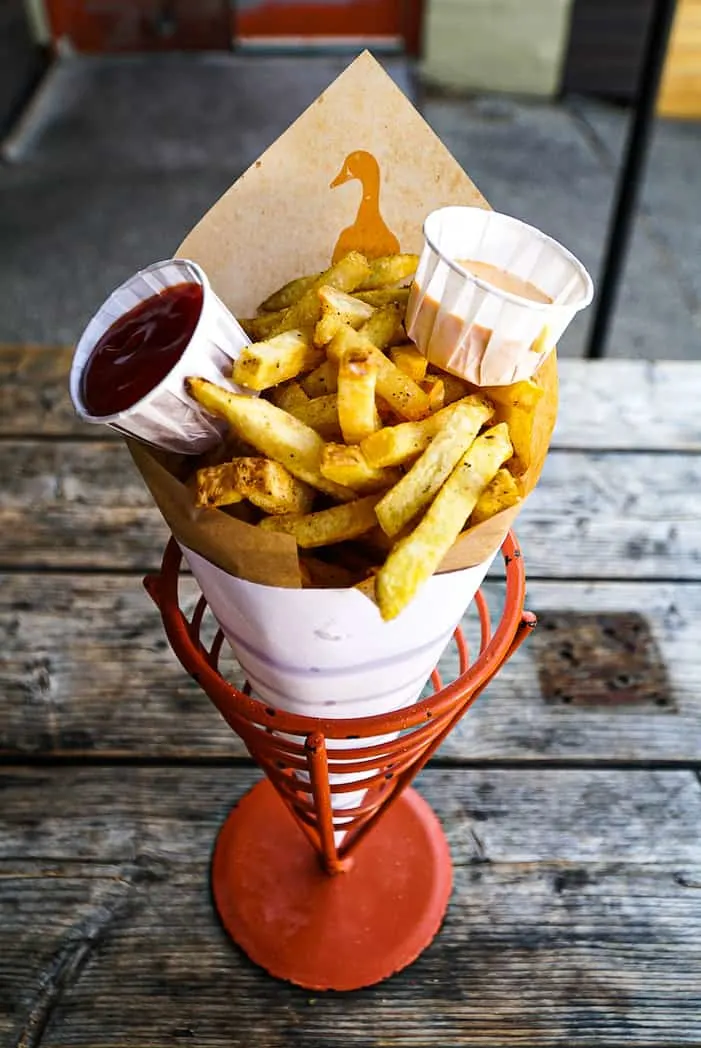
631, 174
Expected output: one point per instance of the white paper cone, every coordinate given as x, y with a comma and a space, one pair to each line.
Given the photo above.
328, 653
466, 325
167, 417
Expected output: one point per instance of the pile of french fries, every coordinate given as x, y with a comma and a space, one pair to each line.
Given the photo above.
357, 447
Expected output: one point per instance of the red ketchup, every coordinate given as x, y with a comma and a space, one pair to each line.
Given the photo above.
139, 349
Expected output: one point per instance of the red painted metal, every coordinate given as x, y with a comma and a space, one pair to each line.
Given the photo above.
303, 758
315, 18
103, 26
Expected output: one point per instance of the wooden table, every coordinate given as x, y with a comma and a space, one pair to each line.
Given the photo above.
570, 794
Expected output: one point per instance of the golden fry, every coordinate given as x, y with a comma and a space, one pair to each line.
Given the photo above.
328, 526
524, 395
287, 295
345, 464
272, 431
338, 308
515, 405
500, 494
288, 396
397, 445
263, 482
384, 327
409, 360
321, 380
357, 379
266, 364
402, 394
391, 269
414, 558
321, 414
415, 490
435, 388
455, 388
385, 296
258, 328
213, 486
345, 276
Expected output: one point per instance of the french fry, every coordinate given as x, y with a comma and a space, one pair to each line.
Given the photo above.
435, 388
265, 364
259, 328
384, 327
515, 405
213, 486
414, 558
391, 269
263, 482
321, 414
415, 490
338, 308
321, 380
288, 396
524, 395
385, 296
287, 295
409, 360
357, 379
346, 465
327, 526
345, 275
402, 394
455, 388
397, 445
500, 494
272, 431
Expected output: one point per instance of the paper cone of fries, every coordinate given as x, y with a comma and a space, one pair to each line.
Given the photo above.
358, 172
327, 653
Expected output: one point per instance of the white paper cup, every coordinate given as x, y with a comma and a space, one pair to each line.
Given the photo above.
465, 324
329, 654
167, 417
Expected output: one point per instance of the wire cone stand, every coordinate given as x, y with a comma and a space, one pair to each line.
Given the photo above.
337, 906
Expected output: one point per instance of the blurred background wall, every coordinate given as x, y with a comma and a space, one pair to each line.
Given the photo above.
121, 121
539, 48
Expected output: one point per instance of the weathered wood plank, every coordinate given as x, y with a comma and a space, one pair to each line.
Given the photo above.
574, 919
593, 515
77, 505
85, 669
609, 404
629, 405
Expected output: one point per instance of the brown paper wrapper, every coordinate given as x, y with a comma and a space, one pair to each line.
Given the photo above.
282, 219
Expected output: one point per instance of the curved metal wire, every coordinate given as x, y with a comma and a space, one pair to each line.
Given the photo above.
319, 764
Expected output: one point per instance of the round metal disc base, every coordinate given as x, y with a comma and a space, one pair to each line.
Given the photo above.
322, 932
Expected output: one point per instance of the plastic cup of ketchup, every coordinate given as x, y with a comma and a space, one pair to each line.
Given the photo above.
162, 325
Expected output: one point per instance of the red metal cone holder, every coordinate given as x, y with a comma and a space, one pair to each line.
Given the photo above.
312, 911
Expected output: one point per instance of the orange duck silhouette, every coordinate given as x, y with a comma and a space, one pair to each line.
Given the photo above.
369, 233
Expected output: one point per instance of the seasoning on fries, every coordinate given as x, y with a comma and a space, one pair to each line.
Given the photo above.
357, 448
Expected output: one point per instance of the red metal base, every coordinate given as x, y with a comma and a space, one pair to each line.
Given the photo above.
323, 932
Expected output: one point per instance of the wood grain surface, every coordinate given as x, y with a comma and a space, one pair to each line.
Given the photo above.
570, 793
574, 919
86, 671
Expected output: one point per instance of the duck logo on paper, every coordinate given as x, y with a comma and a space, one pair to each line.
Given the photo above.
369, 234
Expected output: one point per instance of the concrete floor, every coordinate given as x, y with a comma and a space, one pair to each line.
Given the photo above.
118, 158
